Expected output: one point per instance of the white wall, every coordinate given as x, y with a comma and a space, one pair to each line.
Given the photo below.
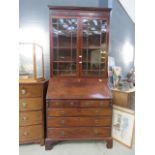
129, 6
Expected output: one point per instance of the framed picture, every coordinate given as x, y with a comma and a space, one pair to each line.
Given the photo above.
123, 125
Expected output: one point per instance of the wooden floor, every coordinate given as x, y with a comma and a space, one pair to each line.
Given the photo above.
77, 148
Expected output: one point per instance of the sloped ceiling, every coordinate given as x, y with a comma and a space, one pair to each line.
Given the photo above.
129, 6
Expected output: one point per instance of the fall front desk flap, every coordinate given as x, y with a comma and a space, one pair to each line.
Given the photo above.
78, 88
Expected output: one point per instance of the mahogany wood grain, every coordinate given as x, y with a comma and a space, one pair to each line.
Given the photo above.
78, 88
79, 132
30, 118
28, 133
79, 112
26, 90
26, 104
78, 121
79, 103
95, 103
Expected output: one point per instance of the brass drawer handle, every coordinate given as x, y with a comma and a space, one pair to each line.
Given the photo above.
88, 103
62, 122
26, 133
96, 132
58, 103
97, 111
97, 121
25, 118
72, 103
101, 103
24, 104
23, 91
62, 133
62, 112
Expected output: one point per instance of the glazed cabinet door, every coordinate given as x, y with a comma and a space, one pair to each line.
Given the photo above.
79, 46
64, 43
94, 47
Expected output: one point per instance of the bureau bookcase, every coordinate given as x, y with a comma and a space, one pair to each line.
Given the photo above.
78, 101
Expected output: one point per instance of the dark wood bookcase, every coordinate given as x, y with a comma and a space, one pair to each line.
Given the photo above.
78, 102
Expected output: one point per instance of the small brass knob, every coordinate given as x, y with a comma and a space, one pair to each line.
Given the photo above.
96, 121
24, 104
88, 103
62, 121
62, 112
57, 103
25, 133
96, 132
25, 118
72, 103
101, 103
97, 111
23, 91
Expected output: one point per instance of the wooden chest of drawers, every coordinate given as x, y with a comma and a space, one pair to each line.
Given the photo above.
31, 108
85, 115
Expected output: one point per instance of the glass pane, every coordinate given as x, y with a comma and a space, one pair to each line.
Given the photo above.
64, 45
94, 47
39, 71
26, 61
64, 69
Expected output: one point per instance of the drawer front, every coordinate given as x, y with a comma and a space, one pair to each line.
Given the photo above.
30, 91
30, 118
30, 104
78, 121
59, 104
83, 103
79, 112
79, 132
87, 103
30, 133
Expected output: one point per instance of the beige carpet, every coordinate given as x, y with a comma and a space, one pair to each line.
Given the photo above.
76, 148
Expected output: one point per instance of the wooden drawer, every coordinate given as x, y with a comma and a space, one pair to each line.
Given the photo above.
78, 121
30, 133
30, 91
85, 103
79, 112
95, 103
30, 104
30, 118
79, 132
59, 104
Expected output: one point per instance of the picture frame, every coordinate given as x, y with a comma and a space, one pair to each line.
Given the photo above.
123, 125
